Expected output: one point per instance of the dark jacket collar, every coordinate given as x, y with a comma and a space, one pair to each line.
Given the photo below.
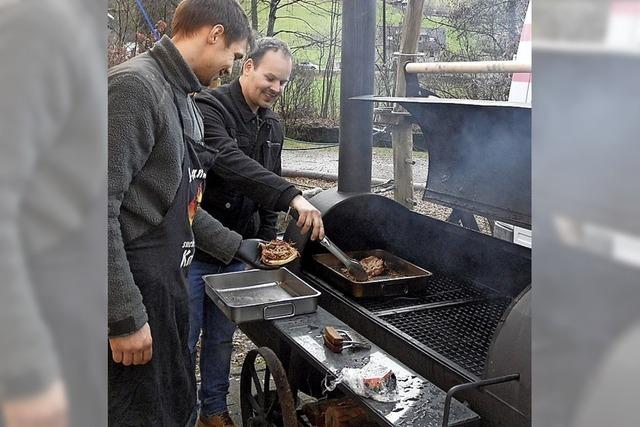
177, 71
241, 104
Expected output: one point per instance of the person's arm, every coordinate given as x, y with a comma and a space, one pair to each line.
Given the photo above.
220, 242
214, 238
268, 224
234, 166
131, 119
269, 190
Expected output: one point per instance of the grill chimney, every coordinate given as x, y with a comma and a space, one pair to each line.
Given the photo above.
356, 78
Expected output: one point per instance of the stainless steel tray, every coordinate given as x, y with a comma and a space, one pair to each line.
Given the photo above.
245, 296
409, 278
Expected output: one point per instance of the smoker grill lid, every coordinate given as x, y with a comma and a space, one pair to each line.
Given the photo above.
479, 154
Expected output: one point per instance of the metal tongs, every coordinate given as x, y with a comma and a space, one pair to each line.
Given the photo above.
353, 266
337, 340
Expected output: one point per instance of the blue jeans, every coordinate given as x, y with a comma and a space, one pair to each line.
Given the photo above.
216, 345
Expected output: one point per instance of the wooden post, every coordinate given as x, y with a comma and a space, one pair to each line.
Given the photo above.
401, 135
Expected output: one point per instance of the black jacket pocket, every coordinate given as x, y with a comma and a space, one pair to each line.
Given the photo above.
271, 154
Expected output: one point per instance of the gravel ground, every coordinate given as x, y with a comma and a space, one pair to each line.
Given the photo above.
326, 161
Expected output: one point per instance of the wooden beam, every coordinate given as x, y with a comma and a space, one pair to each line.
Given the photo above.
401, 135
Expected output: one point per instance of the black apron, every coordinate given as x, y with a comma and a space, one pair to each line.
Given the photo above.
163, 392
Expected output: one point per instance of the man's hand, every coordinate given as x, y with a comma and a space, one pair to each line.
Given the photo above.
134, 349
250, 253
309, 218
48, 408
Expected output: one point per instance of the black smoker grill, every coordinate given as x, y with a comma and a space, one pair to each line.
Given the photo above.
470, 327
471, 324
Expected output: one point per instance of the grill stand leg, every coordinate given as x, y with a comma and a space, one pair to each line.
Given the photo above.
469, 386
463, 218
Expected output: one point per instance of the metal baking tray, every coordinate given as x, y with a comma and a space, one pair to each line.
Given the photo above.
245, 296
410, 278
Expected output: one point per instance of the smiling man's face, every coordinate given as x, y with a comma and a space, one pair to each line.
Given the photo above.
263, 82
218, 56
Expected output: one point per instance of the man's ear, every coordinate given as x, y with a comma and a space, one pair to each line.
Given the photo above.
248, 65
215, 34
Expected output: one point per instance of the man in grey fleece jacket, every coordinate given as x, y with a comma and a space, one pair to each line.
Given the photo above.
153, 129
145, 156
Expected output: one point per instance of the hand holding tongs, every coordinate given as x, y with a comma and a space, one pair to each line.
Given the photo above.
353, 266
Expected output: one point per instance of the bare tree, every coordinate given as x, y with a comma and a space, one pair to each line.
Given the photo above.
122, 31
297, 100
123, 12
481, 30
254, 14
328, 74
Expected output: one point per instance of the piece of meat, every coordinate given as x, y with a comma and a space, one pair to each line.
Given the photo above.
278, 252
373, 265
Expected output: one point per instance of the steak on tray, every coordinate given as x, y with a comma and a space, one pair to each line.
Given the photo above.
373, 265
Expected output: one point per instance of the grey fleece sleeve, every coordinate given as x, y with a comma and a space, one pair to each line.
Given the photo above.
27, 358
131, 138
214, 238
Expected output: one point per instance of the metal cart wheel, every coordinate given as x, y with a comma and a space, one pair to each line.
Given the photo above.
261, 406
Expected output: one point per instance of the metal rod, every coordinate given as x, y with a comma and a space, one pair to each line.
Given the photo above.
332, 177
468, 67
412, 308
468, 386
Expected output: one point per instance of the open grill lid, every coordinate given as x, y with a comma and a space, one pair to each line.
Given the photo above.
479, 154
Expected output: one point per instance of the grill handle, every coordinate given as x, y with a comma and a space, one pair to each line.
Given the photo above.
291, 308
468, 386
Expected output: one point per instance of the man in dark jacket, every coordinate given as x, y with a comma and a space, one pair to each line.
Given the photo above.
157, 165
239, 123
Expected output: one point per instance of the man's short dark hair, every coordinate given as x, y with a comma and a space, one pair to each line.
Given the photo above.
191, 15
266, 44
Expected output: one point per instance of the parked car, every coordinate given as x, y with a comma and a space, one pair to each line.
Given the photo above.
306, 65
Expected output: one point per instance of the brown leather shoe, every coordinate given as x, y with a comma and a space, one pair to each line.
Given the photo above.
220, 420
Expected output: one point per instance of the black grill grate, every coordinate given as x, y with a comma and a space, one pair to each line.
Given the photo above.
460, 333
439, 288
